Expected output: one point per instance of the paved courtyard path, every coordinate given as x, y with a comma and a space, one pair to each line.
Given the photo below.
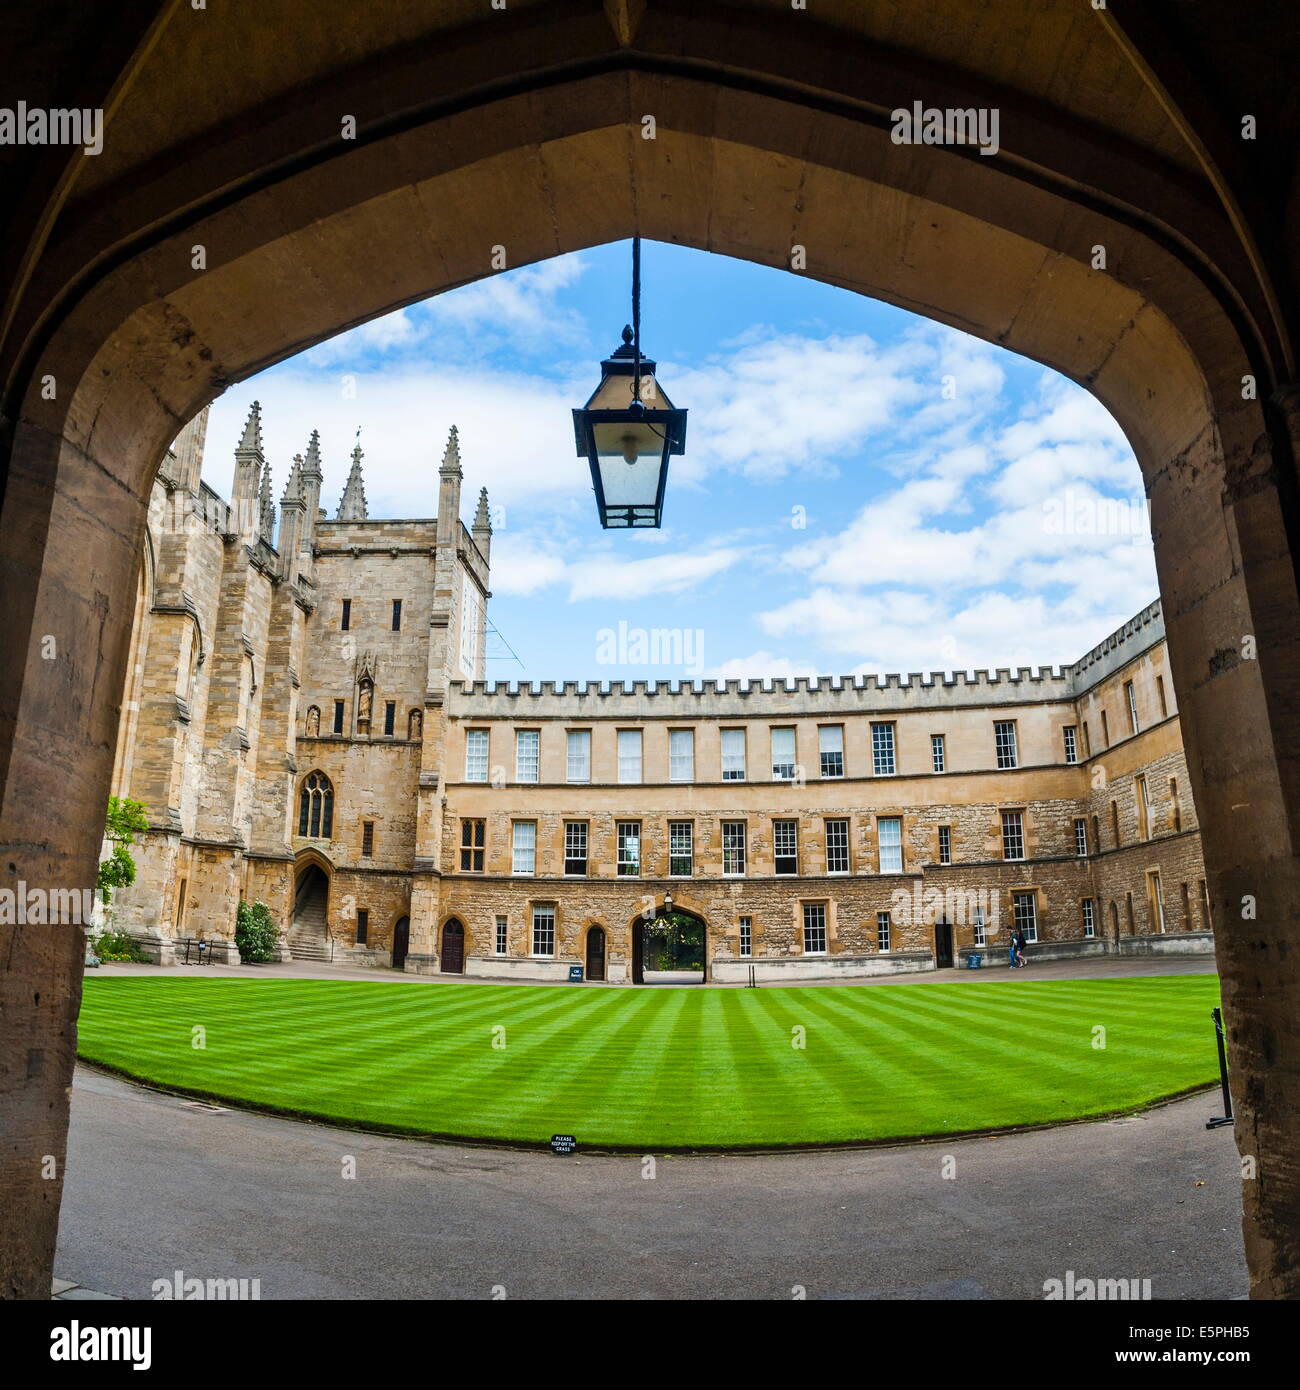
157, 1184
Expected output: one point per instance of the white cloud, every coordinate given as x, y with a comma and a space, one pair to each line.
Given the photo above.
1047, 492
1069, 413
384, 333
520, 569
516, 436
519, 304
633, 579
785, 402
1038, 474
523, 566
907, 632
1023, 547
513, 309
761, 665
778, 403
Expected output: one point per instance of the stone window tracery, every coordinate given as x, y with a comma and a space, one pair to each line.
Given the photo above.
316, 807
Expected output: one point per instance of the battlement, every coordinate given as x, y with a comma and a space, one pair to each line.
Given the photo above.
1141, 631
812, 695
809, 695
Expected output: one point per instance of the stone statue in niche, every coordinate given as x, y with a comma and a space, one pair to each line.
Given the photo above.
313, 722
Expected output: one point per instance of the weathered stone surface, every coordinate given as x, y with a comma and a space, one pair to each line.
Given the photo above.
525, 131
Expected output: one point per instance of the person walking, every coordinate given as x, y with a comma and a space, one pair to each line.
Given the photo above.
1018, 943
1011, 951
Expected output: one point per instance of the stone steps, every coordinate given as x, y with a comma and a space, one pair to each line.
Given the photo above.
309, 950
308, 938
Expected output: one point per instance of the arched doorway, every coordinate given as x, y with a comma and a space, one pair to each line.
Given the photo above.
669, 948
943, 945
309, 937
401, 941
453, 948
595, 953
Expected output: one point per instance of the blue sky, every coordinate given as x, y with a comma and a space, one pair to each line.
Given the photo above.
863, 490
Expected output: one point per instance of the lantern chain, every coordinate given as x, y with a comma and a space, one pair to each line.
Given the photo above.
636, 318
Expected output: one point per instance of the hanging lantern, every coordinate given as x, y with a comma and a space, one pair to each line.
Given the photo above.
628, 429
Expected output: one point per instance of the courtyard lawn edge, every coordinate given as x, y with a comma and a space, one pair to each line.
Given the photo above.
474, 1141
369, 1069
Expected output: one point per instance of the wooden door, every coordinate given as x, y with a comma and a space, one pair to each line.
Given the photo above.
596, 953
453, 948
401, 942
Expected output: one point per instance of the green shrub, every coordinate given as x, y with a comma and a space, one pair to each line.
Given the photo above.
125, 820
117, 945
255, 933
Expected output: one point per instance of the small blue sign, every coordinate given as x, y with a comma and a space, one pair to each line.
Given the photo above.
575, 974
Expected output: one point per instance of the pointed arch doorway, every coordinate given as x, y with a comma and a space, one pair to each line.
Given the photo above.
453, 947
308, 934
595, 953
401, 942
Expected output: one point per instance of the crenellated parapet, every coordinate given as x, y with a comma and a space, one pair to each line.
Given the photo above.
1140, 633
800, 695
812, 696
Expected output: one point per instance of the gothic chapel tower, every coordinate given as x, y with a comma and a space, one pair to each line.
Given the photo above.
277, 657
456, 652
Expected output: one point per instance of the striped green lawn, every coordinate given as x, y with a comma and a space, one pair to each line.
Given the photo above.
662, 1068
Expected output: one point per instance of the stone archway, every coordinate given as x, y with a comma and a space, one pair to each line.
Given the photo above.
670, 955
308, 936
311, 900
401, 941
533, 144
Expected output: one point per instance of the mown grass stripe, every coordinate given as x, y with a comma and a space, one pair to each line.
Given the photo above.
656, 1068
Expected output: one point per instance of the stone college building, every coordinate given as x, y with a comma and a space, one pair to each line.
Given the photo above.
307, 724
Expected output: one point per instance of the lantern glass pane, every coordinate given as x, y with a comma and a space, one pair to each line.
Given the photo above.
628, 484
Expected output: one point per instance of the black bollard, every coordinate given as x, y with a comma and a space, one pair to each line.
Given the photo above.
1216, 1014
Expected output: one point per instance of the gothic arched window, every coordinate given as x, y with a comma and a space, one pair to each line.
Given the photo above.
316, 807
